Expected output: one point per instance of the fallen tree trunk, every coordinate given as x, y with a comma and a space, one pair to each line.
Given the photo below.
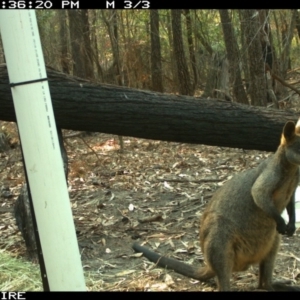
82, 105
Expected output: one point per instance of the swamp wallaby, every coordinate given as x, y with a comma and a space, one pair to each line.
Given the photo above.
241, 224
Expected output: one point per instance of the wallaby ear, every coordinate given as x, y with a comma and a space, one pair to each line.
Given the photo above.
288, 131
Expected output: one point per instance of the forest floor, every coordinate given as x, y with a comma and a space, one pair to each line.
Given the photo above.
154, 193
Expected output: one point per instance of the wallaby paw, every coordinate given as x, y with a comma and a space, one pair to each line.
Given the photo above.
290, 229
281, 226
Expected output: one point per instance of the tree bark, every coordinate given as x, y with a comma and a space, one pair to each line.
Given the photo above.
188, 22
257, 85
182, 68
297, 23
94, 42
76, 42
112, 27
287, 36
268, 54
63, 34
200, 34
212, 77
174, 82
81, 105
232, 50
156, 68
80, 43
87, 45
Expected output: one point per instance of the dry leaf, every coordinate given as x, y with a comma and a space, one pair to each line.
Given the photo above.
169, 280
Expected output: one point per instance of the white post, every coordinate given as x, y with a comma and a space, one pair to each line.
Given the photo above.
34, 112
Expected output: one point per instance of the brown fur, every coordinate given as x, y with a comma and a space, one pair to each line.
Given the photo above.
240, 225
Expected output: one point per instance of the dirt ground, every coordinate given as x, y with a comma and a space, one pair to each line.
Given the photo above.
154, 193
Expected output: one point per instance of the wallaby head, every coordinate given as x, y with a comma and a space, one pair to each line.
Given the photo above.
290, 141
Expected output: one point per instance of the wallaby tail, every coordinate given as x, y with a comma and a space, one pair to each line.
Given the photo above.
175, 265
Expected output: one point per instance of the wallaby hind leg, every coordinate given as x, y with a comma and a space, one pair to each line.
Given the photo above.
266, 268
221, 262
223, 269
223, 279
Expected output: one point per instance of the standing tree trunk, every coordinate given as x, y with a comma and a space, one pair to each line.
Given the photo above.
265, 35
182, 68
212, 77
94, 42
268, 54
112, 27
80, 44
257, 85
76, 43
87, 46
239, 94
156, 69
297, 24
174, 74
244, 57
191, 47
287, 36
63, 33
200, 35
125, 38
